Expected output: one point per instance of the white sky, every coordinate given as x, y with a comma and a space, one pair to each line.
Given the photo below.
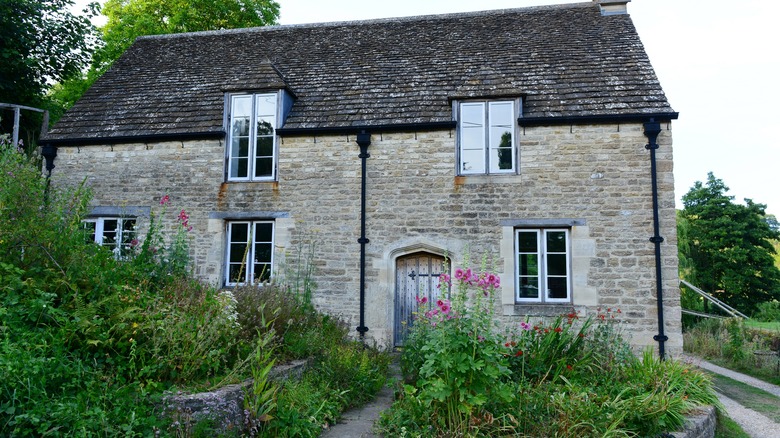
717, 61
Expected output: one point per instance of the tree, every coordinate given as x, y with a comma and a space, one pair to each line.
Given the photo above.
41, 42
727, 247
129, 19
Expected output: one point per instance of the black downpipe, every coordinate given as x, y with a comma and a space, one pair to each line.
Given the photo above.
363, 140
652, 129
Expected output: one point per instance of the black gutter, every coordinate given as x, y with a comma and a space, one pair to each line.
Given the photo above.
400, 127
147, 138
363, 140
595, 119
652, 129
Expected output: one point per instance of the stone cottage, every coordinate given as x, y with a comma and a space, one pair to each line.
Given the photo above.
539, 137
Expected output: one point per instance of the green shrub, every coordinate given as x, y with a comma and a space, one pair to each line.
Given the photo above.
768, 311
566, 377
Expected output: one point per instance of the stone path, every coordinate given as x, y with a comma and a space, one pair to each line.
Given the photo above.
359, 422
753, 423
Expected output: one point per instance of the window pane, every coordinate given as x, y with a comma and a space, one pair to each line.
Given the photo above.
556, 288
242, 106
262, 272
262, 252
239, 233
238, 167
89, 226
556, 264
264, 167
556, 241
240, 147
237, 273
472, 161
526, 241
240, 126
264, 232
502, 114
472, 114
237, 251
265, 127
472, 138
529, 287
502, 158
529, 264
266, 106
265, 147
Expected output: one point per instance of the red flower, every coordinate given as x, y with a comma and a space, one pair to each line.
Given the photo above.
519, 353
558, 329
569, 367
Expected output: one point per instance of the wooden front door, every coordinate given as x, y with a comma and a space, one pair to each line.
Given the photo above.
416, 275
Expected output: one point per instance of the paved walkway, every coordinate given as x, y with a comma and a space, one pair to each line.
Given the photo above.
359, 422
753, 423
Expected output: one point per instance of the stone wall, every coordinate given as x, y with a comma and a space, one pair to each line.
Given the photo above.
595, 177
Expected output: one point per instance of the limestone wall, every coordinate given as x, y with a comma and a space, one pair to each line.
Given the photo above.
596, 177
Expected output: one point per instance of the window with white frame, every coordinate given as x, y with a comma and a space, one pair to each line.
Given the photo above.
543, 267
250, 252
115, 233
486, 134
252, 137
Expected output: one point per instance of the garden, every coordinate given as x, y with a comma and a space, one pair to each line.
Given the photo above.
465, 376
92, 339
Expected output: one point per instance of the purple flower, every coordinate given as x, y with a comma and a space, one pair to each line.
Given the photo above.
165, 200
525, 326
459, 274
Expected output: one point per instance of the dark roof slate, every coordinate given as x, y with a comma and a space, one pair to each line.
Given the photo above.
566, 60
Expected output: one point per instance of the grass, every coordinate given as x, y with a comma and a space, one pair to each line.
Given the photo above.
763, 325
728, 428
748, 396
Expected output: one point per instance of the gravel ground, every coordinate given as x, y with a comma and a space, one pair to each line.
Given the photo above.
752, 422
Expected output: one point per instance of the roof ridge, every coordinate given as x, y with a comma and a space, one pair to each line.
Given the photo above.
409, 18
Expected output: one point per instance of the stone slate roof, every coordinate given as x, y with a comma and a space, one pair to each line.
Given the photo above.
566, 60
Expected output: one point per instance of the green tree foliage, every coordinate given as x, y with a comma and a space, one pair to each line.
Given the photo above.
41, 42
129, 19
726, 247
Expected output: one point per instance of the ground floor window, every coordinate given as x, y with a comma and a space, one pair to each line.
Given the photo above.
117, 234
249, 256
543, 267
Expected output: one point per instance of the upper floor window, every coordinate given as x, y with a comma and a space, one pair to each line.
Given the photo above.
252, 137
486, 133
542, 265
117, 234
250, 252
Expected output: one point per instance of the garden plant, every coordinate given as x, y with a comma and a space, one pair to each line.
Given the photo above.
569, 376
91, 339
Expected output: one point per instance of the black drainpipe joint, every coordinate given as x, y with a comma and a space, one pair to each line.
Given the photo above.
49, 153
363, 240
656, 239
660, 338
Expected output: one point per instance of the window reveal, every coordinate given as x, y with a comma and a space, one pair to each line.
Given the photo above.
249, 252
252, 143
542, 266
487, 137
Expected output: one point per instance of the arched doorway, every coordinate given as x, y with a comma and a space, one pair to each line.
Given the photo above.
415, 275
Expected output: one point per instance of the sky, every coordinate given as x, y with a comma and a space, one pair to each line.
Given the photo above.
717, 61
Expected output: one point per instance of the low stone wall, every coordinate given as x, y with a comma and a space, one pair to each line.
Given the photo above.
224, 407
699, 425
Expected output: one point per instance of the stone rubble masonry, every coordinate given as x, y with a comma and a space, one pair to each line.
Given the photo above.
595, 175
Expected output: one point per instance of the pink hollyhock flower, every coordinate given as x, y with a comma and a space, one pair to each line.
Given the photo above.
525, 326
165, 200
445, 308
459, 273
